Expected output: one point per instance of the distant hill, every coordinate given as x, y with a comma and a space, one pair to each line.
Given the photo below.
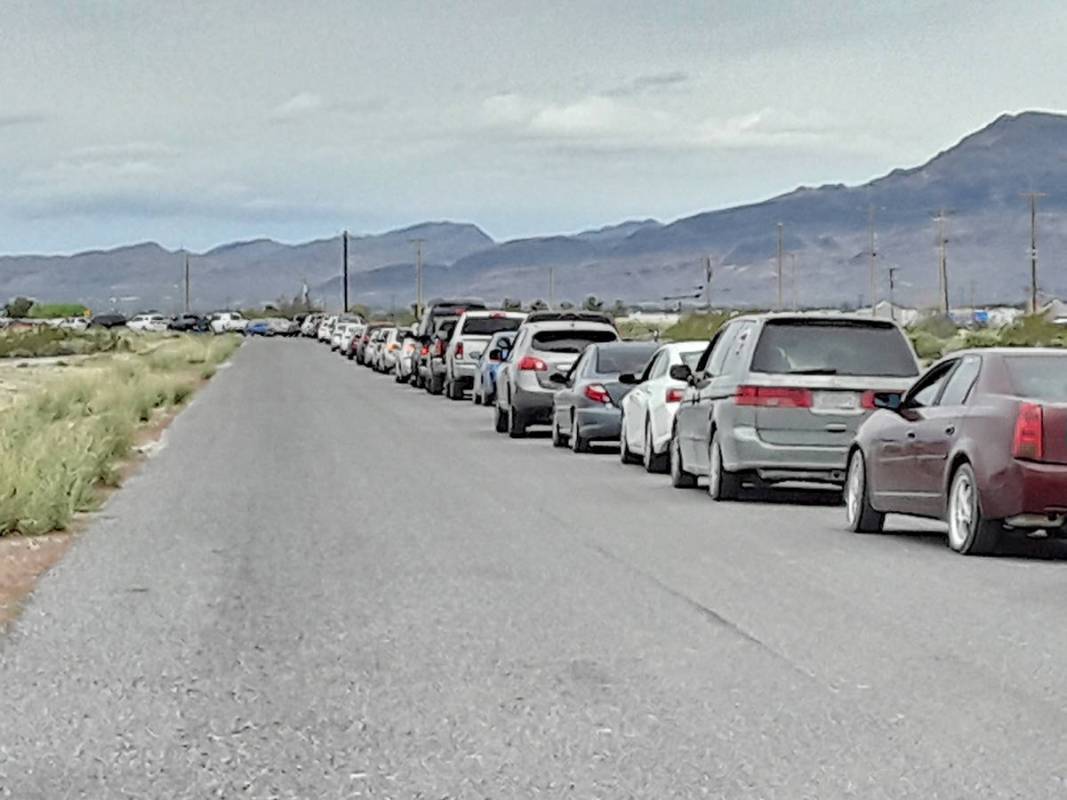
979, 181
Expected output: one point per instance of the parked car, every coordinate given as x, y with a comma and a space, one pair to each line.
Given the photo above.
189, 323
281, 326
351, 331
483, 392
470, 336
979, 441
547, 342
228, 322
441, 308
147, 323
587, 407
108, 321
363, 341
648, 410
387, 350
405, 359
325, 331
370, 352
76, 324
310, 326
779, 397
434, 378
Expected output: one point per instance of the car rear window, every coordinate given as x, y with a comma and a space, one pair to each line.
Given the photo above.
571, 341
487, 326
624, 359
691, 358
833, 347
1039, 377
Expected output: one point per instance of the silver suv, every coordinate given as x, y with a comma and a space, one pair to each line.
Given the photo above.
470, 337
778, 397
547, 343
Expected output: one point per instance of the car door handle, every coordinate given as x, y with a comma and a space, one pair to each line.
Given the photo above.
951, 429
911, 434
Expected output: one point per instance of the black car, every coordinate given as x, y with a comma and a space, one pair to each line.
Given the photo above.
189, 323
108, 321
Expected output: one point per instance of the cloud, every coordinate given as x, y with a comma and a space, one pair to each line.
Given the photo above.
17, 120
649, 83
299, 106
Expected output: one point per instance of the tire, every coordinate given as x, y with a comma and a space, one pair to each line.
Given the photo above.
516, 424
861, 516
654, 462
455, 391
577, 441
475, 397
501, 420
559, 439
435, 386
680, 479
722, 484
625, 455
969, 533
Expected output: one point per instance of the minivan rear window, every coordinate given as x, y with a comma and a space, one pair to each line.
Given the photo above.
1039, 377
833, 347
571, 341
487, 326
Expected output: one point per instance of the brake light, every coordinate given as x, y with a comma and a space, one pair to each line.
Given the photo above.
393, 346
1029, 439
532, 364
675, 395
867, 401
459, 349
425, 350
598, 394
773, 397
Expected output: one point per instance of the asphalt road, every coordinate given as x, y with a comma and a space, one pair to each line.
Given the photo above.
329, 586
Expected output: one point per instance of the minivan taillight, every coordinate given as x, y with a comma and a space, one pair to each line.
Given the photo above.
598, 394
532, 364
439, 348
773, 397
1029, 440
459, 349
674, 395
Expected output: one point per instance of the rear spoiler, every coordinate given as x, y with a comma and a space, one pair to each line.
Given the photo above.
569, 316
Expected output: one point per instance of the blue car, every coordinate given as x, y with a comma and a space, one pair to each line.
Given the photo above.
484, 390
259, 327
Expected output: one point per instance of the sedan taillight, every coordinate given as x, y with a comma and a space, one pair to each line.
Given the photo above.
1029, 440
459, 349
773, 397
532, 364
674, 395
598, 394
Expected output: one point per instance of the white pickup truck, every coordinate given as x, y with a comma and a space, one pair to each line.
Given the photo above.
228, 322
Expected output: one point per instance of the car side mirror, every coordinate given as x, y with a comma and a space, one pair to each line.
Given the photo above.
495, 355
629, 379
557, 377
891, 401
681, 372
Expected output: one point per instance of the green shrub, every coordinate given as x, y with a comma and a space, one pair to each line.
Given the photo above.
56, 310
697, 326
44, 341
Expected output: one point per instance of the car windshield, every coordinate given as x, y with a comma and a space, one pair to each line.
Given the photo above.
833, 347
571, 340
1041, 377
487, 326
624, 358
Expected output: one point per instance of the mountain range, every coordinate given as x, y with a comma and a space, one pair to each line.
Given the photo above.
978, 182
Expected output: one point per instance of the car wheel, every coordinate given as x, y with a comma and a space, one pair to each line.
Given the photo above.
968, 532
559, 439
455, 391
475, 397
625, 454
577, 441
653, 461
680, 479
861, 515
722, 484
501, 420
516, 424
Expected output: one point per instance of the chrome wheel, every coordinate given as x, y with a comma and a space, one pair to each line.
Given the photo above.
646, 456
961, 508
854, 488
714, 471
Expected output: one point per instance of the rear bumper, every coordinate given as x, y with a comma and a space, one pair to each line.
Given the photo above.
598, 424
744, 450
535, 406
1026, 488
463, 370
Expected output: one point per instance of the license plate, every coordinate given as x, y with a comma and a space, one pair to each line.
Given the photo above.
835, 401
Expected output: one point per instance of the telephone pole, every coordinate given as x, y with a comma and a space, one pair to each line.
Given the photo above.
780, 255
1033, 247
551, 288
793, 278
418, 276
707, 281
186, 283
892, 286
344, 269
942, 261
874, 259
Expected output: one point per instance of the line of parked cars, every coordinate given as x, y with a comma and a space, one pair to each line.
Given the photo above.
978, 440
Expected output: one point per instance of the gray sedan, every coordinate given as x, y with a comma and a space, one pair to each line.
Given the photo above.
587, 406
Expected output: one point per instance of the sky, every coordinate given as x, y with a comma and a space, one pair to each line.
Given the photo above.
198, 122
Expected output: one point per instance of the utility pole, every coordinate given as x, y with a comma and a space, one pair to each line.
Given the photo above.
892, 286
942, 261
1033, 247
551, 288
344, 270
186, 283
780, 266
793, 277
418, 276
874, 259
707, 281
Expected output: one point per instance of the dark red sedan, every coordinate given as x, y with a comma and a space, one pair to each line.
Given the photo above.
980, 441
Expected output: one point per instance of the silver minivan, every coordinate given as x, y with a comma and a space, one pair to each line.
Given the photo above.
778, 397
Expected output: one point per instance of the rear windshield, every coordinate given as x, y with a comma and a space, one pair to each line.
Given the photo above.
487, 326
691, 358
1039, 377
571, 341
623, 359
833, 348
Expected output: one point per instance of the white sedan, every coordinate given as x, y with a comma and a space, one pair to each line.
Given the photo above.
148, 323
648, 409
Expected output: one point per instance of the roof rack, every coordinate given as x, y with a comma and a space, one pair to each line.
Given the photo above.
569, 316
